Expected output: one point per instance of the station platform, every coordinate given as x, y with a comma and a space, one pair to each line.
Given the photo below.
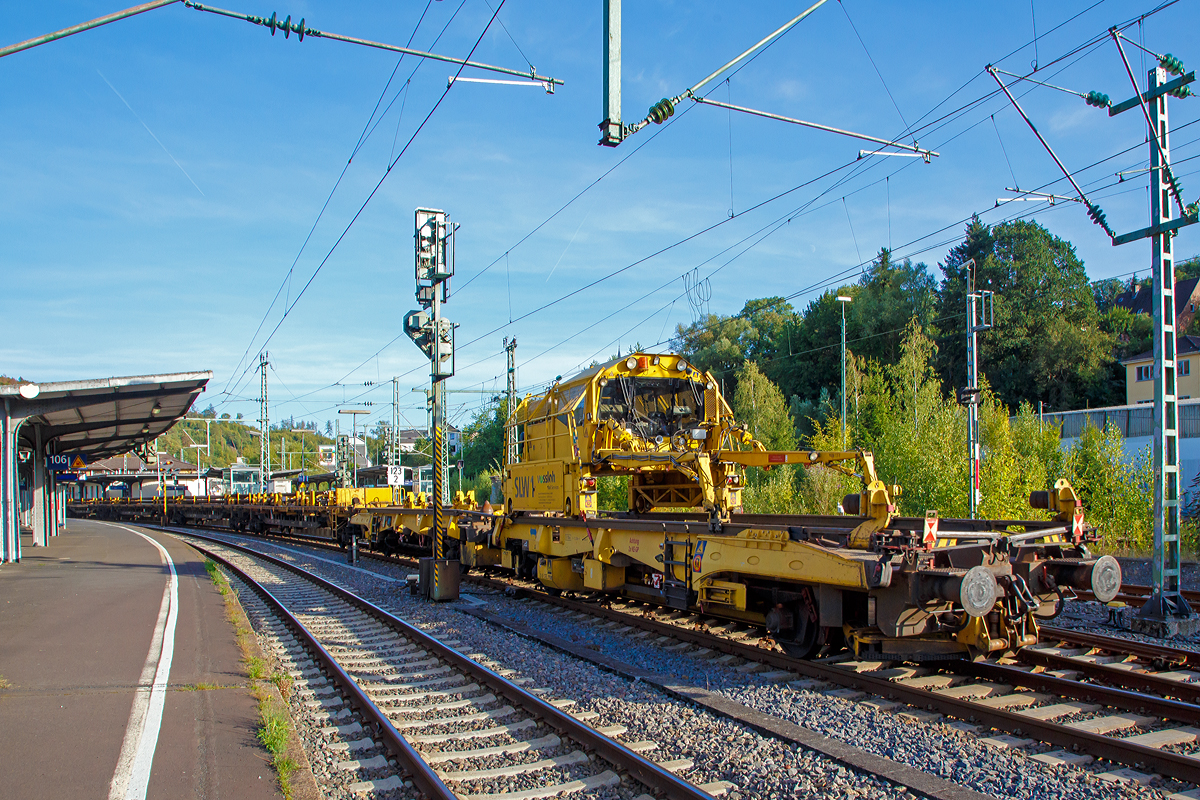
84, 622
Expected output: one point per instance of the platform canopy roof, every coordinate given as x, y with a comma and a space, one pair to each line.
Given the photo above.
102, 417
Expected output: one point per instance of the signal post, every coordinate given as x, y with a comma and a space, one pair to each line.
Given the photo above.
435, 336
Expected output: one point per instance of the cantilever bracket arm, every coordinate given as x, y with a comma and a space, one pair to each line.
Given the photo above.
667, 105
83, 26
1153, 230
1154, 135
926, 154
1093, 209
301, 30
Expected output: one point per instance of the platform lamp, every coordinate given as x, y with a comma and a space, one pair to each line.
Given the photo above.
353, 427
843, 299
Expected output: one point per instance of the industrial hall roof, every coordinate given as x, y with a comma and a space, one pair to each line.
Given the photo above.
102, 417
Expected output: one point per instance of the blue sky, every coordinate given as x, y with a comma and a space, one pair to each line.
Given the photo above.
161, 174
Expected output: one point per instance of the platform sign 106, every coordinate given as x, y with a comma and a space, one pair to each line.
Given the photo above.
65, 461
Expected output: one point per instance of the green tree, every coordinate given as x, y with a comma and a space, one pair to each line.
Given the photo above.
721, 344
759, 405
612, 492
814, 356
1188, 268
1106, 292
1048, 343
889, 295
1116, 492
483, 437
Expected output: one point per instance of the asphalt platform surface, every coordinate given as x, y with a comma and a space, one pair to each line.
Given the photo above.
83, 622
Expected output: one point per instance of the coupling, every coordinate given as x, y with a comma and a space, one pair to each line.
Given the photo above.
976, 590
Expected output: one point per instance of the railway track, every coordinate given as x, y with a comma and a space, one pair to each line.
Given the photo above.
1085, 696
1084, 721
1135, 595
430, 718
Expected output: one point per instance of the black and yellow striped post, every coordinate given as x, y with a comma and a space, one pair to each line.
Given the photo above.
439, 491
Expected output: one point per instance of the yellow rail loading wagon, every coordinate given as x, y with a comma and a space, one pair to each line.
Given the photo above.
883, 585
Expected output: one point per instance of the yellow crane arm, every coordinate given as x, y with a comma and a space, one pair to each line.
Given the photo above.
829, 458
876, 501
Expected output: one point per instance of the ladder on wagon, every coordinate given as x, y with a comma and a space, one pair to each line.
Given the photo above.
677, 554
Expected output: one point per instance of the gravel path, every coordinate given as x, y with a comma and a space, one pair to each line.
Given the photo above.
722, 750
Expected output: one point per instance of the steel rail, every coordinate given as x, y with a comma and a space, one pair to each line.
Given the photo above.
1133, 591
1129, 679
1123, 699
421, 773
1117, 750
1126, 646
643, 770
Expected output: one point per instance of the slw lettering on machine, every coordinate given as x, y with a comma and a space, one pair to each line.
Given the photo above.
527, 485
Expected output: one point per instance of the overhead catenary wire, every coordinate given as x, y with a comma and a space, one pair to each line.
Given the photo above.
376, 188
955, 224
853, 27
507, 33
806, 290
362, 137
825, 283
1004, 150
1090, 43
1035, 41
507, 251
811, 288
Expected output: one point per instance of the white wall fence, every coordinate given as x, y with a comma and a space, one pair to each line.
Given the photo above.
1136, 424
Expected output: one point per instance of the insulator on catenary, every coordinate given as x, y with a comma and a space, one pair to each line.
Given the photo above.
1183, 92
1097, 214
286, 26
1171, 64
1176, 189
661, 111
1097, 99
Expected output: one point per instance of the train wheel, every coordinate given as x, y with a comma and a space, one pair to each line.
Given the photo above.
809, 636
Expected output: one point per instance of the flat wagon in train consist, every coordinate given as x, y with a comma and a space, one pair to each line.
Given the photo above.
882, 585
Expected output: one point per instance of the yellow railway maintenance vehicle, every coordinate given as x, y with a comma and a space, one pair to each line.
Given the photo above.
884, 585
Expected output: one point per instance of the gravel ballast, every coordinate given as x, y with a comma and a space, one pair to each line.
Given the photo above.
759, 766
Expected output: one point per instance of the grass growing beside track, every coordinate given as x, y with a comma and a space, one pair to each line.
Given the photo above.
275, 723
